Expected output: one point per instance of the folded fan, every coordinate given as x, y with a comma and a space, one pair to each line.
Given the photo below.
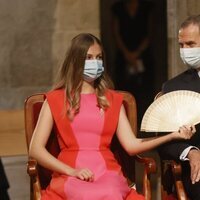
172, 110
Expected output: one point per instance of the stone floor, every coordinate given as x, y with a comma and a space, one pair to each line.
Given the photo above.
13, 153
15, 168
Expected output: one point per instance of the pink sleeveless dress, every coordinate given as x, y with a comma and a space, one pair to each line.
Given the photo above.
85, 143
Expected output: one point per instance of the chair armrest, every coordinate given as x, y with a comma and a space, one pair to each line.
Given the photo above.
32, 167
149, 163
177, 171
176, 168
149, 168
35, 182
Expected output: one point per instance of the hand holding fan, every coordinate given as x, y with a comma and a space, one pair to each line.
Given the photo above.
172, 110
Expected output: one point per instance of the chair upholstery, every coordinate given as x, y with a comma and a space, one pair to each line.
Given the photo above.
40, 177
171, 181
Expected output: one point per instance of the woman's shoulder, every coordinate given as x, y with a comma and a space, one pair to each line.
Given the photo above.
114, 95
56, 93
55, 99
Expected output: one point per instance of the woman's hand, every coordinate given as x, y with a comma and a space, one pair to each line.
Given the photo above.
185, 132
83, 174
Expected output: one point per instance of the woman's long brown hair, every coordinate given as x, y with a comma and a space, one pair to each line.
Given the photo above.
70, 76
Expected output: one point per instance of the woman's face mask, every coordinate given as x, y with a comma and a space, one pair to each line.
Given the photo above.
92, 69
191, 56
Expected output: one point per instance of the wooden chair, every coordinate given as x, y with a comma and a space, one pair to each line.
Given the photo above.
171, 181
40, 177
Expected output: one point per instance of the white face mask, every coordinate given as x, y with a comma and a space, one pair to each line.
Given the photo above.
191, 56
92, 70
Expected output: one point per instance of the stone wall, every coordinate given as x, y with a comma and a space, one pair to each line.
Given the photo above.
177, 11
34, 37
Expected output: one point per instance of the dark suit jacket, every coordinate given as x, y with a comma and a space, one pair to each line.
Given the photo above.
188, 80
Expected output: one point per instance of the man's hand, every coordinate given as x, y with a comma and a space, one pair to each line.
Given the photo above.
194, 159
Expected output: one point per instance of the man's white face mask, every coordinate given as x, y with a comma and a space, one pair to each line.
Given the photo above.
191, 56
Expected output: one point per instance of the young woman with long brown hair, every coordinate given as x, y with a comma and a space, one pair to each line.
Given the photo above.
86, 112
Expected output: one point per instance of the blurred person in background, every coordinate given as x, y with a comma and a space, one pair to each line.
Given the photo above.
132, 21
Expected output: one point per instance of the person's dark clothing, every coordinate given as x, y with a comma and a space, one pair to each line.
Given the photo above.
133, 30
4, 185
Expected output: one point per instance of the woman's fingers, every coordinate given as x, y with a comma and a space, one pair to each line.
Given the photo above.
85, 174
193, 129
187, 131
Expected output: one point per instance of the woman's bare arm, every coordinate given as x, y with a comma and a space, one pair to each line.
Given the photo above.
39, 152
135, 145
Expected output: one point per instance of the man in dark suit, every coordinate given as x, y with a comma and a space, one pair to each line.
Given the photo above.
187, 151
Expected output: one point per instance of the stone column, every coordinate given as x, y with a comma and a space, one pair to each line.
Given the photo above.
177, 12
71, 18
34, 37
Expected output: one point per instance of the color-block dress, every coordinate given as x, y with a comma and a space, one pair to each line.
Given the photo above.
85, 142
